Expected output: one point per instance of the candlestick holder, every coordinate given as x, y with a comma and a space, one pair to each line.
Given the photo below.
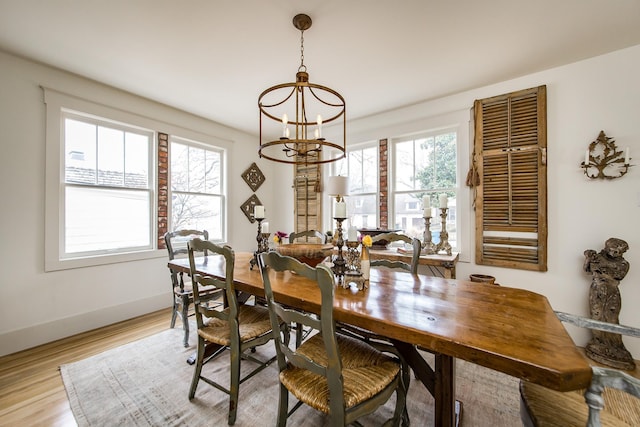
263, 244
603, 159
443, 245
353, 256
339, 263
428, 247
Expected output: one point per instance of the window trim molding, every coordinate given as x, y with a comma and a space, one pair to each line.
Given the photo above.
461, 121
55, 103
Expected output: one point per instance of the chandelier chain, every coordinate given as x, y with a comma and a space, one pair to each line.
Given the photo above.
302, 67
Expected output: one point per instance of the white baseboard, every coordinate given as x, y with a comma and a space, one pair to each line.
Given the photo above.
43, 333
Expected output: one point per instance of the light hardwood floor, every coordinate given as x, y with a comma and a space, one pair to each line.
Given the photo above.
31, 389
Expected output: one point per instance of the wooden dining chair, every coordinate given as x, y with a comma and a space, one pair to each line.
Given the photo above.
313, 234
340, 376
238, 328
396, 237
612, 399
182, 290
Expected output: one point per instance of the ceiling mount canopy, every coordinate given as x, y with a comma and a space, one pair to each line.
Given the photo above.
292, 116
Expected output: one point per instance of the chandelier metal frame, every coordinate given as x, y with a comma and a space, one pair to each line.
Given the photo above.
300, 146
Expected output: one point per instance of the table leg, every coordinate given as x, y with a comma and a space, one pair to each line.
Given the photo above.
440, 382
445, 391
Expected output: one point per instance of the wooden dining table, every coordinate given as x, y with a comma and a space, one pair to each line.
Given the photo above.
506, 329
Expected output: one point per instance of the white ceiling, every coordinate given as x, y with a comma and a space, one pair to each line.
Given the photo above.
214, 57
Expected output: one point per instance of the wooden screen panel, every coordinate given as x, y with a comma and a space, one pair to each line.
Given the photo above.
510, 155
308, 197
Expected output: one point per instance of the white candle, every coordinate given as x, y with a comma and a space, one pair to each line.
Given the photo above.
265, 227
444, 202
426, 205
340, 210
285, 121
352, 235
319, 121
317, 134
626, 156
586, 158
258, 212
426, 202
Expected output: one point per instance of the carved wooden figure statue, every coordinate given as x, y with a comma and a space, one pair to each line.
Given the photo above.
607, 268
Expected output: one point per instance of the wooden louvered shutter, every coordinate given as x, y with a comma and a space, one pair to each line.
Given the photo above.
308, 196
511, 199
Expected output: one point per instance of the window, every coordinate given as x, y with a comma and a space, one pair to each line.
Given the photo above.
510, 157
425, 164
107, 187
197, 187
361, 166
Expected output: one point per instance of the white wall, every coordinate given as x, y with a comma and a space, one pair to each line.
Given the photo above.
38, 307
602, 93
583, 98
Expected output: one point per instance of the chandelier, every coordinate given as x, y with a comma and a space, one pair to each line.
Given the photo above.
292, 116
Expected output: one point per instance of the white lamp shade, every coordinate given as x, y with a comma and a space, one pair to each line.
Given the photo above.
338, 185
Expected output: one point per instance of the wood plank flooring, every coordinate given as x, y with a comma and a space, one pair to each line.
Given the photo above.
31, 388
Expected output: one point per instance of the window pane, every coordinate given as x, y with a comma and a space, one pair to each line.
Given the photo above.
110, 156
362, 211
212, 172
197, 212
136, 160
355, 172
179, 167
445, 160
104, 219
370, 170
80, 152
404, 166
425, 164
196, 170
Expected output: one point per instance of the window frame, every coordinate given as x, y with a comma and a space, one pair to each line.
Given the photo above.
222, 151
56, 103
376, 193
67, 114
393, 192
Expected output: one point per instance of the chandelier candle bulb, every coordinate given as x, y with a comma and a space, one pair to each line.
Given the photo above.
258, 212
340, 210
626, 156
444, 202
586, 158
285, 120
319, 121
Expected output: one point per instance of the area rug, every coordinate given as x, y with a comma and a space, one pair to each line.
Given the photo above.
146, 383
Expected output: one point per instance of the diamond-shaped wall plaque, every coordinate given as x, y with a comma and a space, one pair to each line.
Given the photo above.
253, 176
247, 207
